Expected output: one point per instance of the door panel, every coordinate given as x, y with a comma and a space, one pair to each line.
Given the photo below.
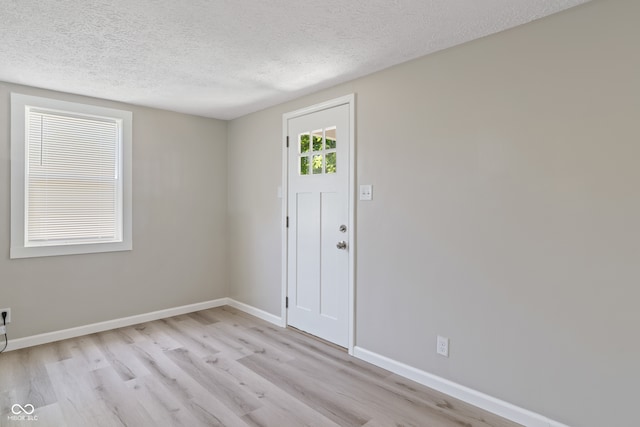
318, 183
308, 234
331, 269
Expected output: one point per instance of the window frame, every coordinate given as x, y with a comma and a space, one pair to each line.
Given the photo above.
19, 105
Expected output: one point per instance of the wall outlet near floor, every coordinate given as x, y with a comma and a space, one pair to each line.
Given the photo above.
8, 310
442, 346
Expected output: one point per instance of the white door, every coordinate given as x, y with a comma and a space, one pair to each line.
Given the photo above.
318, 215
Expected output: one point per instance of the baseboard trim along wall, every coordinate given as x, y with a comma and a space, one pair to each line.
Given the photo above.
139, 318
473, 397
111, 324
260, 314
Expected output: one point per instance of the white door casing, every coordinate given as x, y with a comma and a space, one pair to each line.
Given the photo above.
318, 250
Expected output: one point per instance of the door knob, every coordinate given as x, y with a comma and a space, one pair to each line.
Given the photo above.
342, 245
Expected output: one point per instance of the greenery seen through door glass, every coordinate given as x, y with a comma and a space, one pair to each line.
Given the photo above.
317, 164
331, 162
304, 165
317, 143
304, 143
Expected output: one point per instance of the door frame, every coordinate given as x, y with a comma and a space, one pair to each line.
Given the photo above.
349, 100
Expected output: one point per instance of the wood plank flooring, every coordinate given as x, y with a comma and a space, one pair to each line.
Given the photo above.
217, 367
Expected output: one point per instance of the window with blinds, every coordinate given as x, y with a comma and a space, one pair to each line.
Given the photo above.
71, 189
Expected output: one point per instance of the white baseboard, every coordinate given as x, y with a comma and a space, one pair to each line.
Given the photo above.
111, 324
260, 314
473, 397
139, 318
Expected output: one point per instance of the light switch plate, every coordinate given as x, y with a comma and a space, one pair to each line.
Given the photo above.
366, 192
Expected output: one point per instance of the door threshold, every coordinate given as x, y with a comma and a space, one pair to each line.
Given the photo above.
315, 338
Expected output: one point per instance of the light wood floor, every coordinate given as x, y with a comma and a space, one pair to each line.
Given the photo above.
217, 367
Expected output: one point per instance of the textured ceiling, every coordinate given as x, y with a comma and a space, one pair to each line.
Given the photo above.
227, 58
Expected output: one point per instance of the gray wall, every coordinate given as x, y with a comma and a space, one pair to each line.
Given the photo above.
179, 234
505, 213
254, 216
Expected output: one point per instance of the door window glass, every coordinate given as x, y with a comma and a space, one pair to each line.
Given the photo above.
322, 143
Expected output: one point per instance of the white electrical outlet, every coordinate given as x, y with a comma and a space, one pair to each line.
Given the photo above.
442, 346
8, 310
3, 329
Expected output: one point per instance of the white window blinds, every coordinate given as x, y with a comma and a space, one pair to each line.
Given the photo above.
73, 188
